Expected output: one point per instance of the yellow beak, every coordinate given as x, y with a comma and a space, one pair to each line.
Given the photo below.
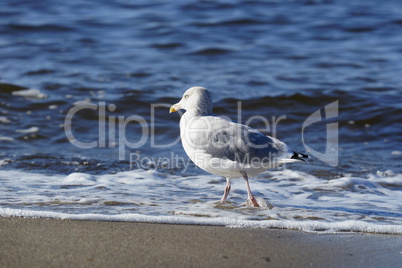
173, 108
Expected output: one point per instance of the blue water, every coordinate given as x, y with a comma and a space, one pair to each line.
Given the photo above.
278, 58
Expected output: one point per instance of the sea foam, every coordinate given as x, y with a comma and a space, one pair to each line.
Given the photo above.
301, 201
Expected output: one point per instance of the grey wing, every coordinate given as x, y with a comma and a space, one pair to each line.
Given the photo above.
238, 142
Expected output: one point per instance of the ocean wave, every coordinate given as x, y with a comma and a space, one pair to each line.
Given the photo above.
302, 201
306, 226
210, 51
9, 88
31, 93
39, 27
228, 22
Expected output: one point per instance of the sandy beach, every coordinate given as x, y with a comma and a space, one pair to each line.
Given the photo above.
27, 242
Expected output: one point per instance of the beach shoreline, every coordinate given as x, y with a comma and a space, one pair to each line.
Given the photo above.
42, 242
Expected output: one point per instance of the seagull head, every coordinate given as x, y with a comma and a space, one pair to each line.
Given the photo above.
196, 99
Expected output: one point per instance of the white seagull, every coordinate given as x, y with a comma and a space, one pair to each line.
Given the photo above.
226, 148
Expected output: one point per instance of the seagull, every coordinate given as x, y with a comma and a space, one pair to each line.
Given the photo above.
226, 148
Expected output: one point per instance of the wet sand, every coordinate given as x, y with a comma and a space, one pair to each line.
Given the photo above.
27, 242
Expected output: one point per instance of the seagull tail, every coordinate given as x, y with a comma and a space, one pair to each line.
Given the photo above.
300, 156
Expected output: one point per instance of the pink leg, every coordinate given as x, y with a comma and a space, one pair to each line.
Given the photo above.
226, 191
250, 195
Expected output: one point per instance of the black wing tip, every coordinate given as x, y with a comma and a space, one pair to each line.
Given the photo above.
300, 156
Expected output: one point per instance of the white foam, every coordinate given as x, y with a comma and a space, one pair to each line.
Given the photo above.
307, 226
28, 130
4, 120
396, 152
4, 162
31, 93
78, 179
301, 201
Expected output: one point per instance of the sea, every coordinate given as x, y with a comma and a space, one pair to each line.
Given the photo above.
86, 86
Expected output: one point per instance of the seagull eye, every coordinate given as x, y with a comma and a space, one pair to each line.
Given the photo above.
186, 96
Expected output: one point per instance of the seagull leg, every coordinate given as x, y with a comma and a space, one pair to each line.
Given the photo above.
226, 191
250, 195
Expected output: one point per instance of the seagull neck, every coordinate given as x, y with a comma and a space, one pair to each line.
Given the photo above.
199, 112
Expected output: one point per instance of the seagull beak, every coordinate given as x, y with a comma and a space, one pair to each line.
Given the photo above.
174, 108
